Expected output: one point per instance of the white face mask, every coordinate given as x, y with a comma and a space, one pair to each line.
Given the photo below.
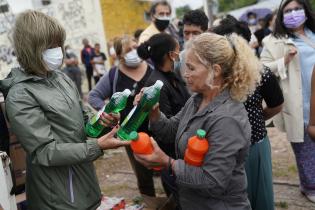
53, 58
132, 59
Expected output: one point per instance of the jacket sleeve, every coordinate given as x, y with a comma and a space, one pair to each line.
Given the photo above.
100, 93
226, 139
32, 129
166, 128
277, 66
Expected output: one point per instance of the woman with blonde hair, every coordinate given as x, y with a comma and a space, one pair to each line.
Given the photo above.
222, 71
45, 112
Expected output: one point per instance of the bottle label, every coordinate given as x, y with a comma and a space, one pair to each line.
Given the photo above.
128, 116
96, 117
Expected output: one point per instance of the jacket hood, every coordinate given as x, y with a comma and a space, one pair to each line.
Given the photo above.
16, 76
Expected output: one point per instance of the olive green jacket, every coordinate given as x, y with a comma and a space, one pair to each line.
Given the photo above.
46, 116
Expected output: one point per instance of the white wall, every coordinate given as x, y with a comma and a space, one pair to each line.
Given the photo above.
80, 18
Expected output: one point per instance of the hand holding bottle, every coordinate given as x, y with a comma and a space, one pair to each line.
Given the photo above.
109, 120
155, 111
108, 141
156, 158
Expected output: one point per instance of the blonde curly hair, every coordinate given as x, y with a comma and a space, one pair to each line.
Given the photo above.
240, 66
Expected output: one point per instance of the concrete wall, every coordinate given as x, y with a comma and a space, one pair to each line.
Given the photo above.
80, 18
123, 16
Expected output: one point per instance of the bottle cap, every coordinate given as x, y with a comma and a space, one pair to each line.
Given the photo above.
201, 133
133, 135
127, 92
158, 83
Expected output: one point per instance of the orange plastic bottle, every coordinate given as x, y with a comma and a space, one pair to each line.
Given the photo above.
197, 148
141, 144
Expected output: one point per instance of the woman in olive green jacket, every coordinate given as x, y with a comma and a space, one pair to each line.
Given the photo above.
44, 109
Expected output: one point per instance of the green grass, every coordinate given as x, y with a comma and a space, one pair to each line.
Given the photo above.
282, 204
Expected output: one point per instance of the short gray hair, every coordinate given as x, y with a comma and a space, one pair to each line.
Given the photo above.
33, 33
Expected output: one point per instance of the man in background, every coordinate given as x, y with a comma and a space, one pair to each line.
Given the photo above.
72, 68
98, 62
160, 13
86, 55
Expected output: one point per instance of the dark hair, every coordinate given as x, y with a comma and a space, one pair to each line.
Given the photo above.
230, 25
196, 17
154, 6
281, 31
267, 20
251, 13
156, 48
137, 33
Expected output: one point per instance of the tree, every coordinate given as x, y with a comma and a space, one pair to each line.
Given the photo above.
180, 11
227, 5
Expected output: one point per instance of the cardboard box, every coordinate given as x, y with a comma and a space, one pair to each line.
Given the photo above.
18, 159
17, 156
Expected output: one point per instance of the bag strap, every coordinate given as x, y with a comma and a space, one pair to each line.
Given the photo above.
113, 77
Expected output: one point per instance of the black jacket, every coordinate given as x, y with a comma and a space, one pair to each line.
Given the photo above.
174, 95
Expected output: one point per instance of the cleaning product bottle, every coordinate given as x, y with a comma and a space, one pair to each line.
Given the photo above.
197, 148
151, 95
117, 103
141, 144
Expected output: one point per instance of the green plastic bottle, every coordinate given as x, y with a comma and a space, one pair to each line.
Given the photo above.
137, 115
117, 103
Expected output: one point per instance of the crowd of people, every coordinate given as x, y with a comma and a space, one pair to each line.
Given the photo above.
227, 80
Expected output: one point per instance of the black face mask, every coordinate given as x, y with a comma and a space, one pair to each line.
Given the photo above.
161, 25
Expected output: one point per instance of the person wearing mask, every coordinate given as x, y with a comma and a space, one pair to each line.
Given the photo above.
221, 71
195, 22
72, 69
258, 165
267, 27
265, 30
290, 53
86, 57
253, 26
60, 173
98, 62
160, 13
163, 50
132, 73
252, 21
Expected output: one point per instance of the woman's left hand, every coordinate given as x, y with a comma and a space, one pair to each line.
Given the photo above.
156, 159
108, 141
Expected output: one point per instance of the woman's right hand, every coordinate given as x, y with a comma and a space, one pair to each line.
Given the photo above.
155, 111
109, 120
290, 55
